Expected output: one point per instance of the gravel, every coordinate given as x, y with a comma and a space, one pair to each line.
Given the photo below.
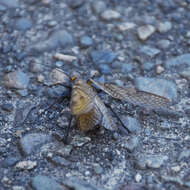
130, 43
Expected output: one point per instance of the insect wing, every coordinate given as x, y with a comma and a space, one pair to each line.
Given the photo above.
134, 96
89, 120
107, 120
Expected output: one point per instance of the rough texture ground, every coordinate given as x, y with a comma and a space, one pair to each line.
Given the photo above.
143, 43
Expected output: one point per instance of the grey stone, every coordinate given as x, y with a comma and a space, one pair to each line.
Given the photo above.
144, 32
31, 142
150, 161
163, 44
7, 107
10, 161
167, 6
110, 15
160, 87
57, 92
127, 67
126, 26
172, 179
132, 143
165, 125
32, 1
59, 63
16, 187
26, 165
164, 27
98, 169
58, 76
22, 93
60, 38
2, 8
184, 155
179, 61
187, 184
116, 64
64, 151
10, 3
41, 182
132, 124
155, 162
105, 69
98, 6
134, 187
22, 111
75, 4
52, 23
3, 142
16, 79
159, 69
77, 184
59, 161
185, 73
86, 41
103, 56
36, 67
150, 51
79, 141
148, 66
23, 24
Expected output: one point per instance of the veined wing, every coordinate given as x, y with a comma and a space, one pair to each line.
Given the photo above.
89, 120
134, 96
107, 120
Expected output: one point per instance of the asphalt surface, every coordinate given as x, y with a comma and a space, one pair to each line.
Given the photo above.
143, 44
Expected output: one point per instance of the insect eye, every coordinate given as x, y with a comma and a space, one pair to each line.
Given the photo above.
89, 82
73, 78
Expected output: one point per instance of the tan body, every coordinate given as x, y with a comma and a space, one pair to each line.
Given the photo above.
88, 108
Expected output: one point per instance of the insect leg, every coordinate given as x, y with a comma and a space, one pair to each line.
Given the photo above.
67, 131
57, 101
118, 118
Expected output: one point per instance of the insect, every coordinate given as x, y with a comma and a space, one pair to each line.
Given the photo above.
89, 110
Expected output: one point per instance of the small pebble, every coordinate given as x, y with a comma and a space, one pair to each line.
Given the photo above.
144, 32
16, 79
98, 169
75, 3
40, 78
164, 27
59, 64
98, 6
18, 188
26, 165
36, 67
159, 69
7, 107
63, 57
86, 41
138, 177
176, 168
41, 182
23, 24
79, 141
58, 76
126, 26
110, 15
